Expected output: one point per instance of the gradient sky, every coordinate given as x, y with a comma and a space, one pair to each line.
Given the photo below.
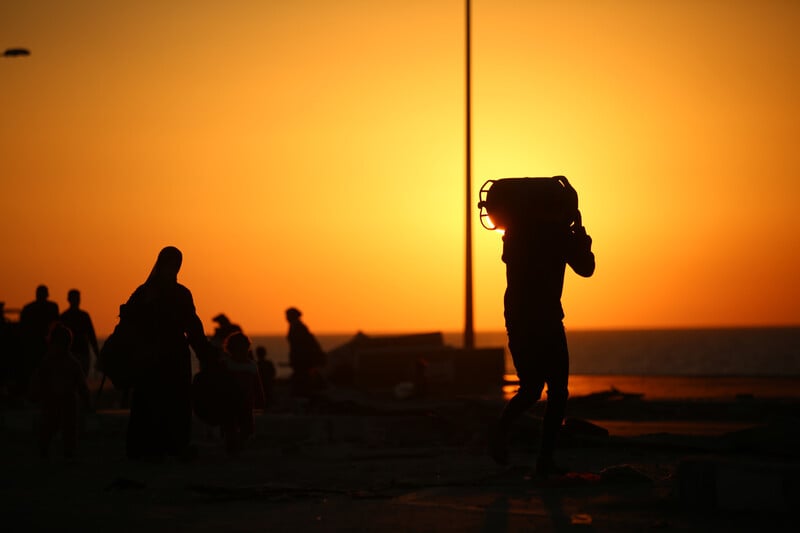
311, 154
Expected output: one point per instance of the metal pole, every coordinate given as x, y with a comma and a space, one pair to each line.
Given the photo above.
469, 332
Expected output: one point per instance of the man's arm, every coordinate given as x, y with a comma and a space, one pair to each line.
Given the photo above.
579, 250
193, 326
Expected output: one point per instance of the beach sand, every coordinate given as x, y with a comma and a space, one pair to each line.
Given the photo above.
354, 462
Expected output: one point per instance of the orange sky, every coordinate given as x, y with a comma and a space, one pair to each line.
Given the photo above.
311, 154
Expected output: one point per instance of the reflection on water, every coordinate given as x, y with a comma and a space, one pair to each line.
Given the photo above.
678, 387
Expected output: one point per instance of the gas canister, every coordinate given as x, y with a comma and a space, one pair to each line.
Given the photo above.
508, 201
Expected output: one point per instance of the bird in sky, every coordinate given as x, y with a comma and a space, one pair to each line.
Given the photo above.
16, 52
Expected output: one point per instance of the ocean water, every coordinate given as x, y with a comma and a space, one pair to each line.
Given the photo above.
679, 352
663, 364
668, 363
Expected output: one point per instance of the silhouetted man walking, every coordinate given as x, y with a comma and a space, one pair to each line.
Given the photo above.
79, 322
541, 238
35, 320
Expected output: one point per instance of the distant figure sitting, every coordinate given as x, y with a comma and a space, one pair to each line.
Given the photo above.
79, 322
305, 356
266, 369
59, 385
240, 424
164, 314
223, 330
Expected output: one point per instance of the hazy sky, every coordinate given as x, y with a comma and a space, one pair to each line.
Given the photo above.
311, 154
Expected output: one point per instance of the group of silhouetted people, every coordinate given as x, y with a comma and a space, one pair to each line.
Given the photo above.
51, 356
24, 344
46, 357
228, 387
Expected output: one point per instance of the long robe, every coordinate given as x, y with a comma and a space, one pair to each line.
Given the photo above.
161, 408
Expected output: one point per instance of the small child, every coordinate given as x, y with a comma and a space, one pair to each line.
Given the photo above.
59, 385
239, 424
266, 370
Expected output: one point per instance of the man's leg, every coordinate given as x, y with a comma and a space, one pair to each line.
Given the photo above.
557, 394
523, 346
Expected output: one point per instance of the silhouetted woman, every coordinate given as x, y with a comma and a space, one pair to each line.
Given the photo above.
161, 410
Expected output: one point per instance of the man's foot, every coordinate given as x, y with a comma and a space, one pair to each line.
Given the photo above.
546, 467
498, 446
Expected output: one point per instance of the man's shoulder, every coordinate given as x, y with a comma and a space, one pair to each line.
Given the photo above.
75, 314
38, 307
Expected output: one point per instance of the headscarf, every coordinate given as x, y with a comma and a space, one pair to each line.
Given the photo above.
165, 271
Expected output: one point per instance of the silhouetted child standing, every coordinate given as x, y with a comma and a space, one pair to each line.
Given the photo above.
266, 369
59, 385
239, 425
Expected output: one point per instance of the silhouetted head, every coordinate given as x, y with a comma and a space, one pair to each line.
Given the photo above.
165, 271
293, 313
237, 345
222, 320
74, 298
59, 337
42, 293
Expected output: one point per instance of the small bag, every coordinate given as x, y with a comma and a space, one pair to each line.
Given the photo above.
126, 356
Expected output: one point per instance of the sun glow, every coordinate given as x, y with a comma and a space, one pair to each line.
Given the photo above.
290, 150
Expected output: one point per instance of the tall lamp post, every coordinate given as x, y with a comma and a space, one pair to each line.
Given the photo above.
469, 331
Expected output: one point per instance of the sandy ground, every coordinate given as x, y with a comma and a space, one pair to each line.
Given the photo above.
359, 463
